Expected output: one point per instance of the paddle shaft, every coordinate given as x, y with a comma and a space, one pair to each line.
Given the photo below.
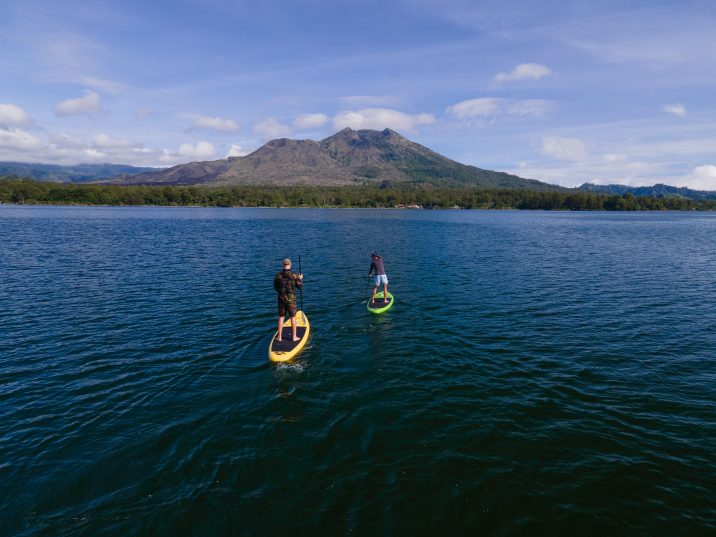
300, 289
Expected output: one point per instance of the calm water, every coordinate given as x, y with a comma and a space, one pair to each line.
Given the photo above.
540, 373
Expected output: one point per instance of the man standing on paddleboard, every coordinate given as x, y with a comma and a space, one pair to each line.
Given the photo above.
285, 284
380, 276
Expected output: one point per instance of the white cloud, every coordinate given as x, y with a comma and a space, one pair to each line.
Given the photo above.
563, 148
613, 157
272, 128
60, 140
645, 152
110, 86
215, 123
676, 109
381, 118
104, 141
13, 116
483, 109
529, 108
654, 42
94, 154
524, 71
702, 177
202, 150
60, 148
475, 108
68, 54
167, 157
17, 139
86, 105
236, 151
65, 149
310, 121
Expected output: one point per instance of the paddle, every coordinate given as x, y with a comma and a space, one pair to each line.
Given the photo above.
300, 289
367, 283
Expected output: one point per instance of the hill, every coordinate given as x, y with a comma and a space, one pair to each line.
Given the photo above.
655, 191
364, 157
81, 173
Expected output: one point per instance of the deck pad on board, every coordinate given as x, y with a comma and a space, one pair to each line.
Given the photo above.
286, 349
378, 306
286, 344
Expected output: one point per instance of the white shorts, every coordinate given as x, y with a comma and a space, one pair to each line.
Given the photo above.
381, 278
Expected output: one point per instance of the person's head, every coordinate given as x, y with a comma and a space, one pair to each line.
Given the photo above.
374, 255
287, 264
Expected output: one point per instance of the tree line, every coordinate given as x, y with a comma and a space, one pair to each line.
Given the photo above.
26, 191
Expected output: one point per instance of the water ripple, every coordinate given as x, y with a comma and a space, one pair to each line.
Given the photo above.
540, 373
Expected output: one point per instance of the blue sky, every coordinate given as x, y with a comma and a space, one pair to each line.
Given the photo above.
565, 92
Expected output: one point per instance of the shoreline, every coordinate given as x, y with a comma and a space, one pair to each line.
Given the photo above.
313, 208
416, 197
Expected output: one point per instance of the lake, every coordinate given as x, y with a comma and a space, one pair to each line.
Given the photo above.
540, 373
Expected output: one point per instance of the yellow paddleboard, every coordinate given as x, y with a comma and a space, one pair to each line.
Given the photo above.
283, 351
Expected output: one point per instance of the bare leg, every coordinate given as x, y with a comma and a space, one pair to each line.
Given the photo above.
385, 293
295, 328
374, 290
280, 328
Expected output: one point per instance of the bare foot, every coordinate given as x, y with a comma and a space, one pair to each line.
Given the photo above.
297, 339
279, 339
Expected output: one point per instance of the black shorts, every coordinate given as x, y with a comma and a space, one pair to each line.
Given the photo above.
286, 307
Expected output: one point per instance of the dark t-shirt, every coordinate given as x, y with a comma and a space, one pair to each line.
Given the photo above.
377, 265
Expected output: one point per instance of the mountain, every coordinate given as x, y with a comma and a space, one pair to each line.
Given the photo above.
348, 157
655, 191
81, 173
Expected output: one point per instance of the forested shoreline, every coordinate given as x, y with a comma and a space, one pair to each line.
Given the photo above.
26, 191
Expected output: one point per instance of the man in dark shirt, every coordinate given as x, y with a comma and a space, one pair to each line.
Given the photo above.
285, 283
376, 265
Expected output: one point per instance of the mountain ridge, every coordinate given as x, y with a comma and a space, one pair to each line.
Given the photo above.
79, 173
348, 157
658, 190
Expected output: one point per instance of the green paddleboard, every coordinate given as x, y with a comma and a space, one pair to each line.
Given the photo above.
378, 306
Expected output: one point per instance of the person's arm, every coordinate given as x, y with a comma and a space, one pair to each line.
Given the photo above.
299, 281
277, 283
372, 266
